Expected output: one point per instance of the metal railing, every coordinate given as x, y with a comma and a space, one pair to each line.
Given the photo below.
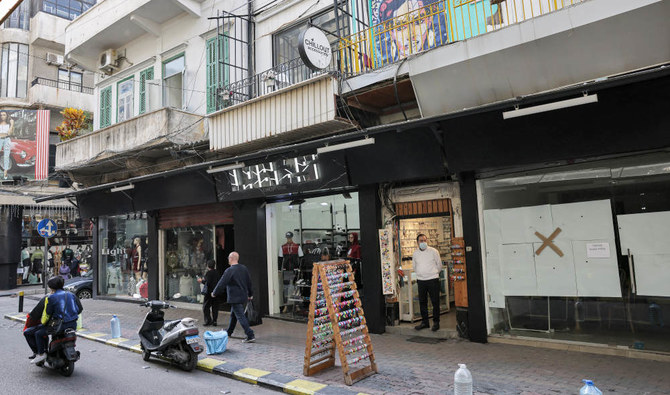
67, 85
432, 25
279, 77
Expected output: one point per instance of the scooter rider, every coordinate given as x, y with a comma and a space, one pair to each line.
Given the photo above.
59, 305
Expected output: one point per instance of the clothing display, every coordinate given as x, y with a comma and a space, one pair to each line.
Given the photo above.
187, 285
290, 254
114, 280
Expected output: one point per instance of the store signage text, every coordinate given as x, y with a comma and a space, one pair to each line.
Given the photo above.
314, 48
113, 251
273, 174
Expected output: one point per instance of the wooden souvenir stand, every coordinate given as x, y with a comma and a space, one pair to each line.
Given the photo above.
460, 275
336, 321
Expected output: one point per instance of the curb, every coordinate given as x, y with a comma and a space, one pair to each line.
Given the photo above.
263, 378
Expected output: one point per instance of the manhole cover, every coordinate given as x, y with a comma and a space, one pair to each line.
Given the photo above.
426, 340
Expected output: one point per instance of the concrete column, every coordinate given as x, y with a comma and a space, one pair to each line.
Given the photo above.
10, 244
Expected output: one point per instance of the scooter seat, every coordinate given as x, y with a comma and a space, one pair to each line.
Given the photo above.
169, 325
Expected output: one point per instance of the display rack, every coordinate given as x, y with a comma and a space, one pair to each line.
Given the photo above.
460, 278
336, 321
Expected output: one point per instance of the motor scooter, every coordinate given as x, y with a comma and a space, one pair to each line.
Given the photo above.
176, 340
61, 354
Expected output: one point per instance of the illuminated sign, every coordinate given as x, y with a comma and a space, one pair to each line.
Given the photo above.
278, 173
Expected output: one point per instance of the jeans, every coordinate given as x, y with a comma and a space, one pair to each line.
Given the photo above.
213, 304
237, 314
6, 148
29, 333
432, 288
41, 338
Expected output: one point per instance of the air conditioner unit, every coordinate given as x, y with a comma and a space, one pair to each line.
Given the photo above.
107, 61
55, 59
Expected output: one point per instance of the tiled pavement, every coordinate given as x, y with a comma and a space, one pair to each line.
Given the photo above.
405, 367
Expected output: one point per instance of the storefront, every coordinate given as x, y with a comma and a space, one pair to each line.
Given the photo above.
123, 256
305, 231
580, 253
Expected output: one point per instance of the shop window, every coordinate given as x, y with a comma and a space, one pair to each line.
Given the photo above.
173, 81
307, 231
188, 250
577, 254
123, 261
125, 99
14, 70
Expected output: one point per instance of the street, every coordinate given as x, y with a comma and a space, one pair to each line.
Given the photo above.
102, 369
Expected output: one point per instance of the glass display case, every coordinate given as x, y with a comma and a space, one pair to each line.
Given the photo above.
409, 296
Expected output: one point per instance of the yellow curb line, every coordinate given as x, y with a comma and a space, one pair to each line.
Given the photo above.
93, 335
115, 342
250, 375
136, 348
303, 387
208, 364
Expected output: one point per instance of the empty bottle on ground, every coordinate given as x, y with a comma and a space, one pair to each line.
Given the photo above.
116, 327
589, 389
462, 381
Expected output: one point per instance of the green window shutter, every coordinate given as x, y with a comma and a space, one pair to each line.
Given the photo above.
106, 107
226, 61
211, 75
145, 75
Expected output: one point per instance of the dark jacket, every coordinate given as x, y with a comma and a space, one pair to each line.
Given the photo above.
35, 316
237, 281
61, 304
211, 279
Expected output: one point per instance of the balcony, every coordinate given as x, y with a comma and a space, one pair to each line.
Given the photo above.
61, 94
468, 53
114, 23
286, 104
115, 150
46, 30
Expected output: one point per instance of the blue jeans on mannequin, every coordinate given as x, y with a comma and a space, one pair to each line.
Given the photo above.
6, 148
237, 314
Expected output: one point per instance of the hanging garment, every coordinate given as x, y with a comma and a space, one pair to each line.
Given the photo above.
186, 286
114, 280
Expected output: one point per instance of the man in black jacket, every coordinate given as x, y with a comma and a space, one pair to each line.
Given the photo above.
210, 303
237, 282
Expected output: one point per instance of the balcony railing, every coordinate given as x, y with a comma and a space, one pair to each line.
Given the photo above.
67, 85
281, 76
434, 25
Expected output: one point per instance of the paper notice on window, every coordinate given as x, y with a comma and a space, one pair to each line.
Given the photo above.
597, 250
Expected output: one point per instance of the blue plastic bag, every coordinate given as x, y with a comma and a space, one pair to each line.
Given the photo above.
216, 342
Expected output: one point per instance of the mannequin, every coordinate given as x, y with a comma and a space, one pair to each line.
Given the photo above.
144, 271
355, 248
25, 261
289, 260
136, 258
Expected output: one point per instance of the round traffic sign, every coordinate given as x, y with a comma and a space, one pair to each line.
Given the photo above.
47, 228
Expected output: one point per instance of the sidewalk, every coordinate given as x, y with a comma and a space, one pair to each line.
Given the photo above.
406, 364
33, 289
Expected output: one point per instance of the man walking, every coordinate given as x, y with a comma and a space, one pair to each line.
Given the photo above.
427, 266
237, 282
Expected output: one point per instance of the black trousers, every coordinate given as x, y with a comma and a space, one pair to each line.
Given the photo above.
213, 304
429, 288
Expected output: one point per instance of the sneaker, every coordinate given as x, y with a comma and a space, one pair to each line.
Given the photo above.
32, 356
39, 358
436, 327
422, 325
249, 340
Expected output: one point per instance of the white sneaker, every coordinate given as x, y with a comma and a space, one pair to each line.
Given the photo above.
39, 358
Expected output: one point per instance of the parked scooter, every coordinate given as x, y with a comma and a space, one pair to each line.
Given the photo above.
61, 354
176, 340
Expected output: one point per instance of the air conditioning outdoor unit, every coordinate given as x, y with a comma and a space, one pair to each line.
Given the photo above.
107, 61
55, 59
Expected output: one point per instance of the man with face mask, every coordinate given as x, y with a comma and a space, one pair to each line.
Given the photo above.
427, 266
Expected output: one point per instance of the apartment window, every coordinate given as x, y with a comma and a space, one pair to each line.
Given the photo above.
173, 81
20, 18
105, 107
70, 80
218, 71
68, 9
145, 75
125, 99
14, 70
286, 41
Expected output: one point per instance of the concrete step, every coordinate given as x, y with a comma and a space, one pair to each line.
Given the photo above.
408, 330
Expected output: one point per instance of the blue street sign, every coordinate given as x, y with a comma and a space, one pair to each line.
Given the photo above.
47, 228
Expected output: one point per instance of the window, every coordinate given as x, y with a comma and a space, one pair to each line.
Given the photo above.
70, 80
145, 75
106, 107
20, 18
125, 99
218, 70
14, 70
286, 41
68, 9
173, 81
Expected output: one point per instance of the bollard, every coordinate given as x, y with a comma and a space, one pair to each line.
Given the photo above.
20, 301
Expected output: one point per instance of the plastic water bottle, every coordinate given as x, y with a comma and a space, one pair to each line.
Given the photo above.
116, 327
589, 389
462, 381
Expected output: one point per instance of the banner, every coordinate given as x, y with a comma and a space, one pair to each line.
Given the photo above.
24, 144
